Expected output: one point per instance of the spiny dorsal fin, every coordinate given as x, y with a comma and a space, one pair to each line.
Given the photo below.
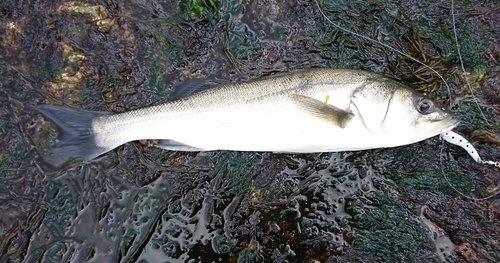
323, 110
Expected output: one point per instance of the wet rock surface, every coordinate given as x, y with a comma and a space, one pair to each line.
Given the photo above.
417, 203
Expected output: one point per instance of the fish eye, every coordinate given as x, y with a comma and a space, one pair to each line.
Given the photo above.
424, 105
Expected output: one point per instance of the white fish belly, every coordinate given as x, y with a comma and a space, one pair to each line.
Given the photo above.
279, 127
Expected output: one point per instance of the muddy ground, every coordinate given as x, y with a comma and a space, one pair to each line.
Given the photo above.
417, 203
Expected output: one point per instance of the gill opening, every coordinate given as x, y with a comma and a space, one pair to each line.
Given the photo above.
361, 117
388, 107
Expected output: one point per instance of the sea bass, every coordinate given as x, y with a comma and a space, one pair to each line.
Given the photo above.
318, 110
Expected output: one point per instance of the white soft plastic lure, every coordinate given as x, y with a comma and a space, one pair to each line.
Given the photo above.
457, 139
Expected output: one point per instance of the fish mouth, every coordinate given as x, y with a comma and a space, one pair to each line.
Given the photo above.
449, 123
439, 126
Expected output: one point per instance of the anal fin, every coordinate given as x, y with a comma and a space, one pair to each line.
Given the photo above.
172, 145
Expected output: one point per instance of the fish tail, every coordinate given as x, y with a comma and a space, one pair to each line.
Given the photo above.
76, 138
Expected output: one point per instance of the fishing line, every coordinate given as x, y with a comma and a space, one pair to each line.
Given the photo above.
458, 191
451, 138
456, 139
448, 136
416, 60
455, 35
384, 45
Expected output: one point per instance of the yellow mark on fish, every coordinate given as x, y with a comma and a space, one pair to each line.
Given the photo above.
327, 98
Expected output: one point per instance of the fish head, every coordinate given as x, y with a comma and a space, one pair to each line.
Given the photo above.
412, 116
396, 114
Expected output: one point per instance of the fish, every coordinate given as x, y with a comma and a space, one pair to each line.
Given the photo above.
315, 110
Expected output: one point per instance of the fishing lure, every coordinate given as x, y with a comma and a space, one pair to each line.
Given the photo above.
457, 139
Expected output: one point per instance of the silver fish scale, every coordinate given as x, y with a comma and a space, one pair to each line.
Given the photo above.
232, 97
272, 89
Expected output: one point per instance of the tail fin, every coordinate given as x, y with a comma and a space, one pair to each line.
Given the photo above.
76, 136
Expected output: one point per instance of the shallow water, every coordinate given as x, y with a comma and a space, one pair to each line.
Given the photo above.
139, 203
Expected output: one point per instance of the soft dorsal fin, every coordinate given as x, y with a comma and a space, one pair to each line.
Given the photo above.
192, 86
323, 110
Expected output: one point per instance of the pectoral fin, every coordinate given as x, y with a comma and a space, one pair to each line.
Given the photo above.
323, 110
177, 146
